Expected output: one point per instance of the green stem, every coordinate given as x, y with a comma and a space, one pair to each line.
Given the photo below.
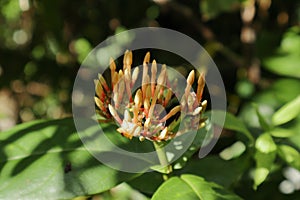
162, 157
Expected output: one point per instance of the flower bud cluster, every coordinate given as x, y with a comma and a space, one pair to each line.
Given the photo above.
137, 112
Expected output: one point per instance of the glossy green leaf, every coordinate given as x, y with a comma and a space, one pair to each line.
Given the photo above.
287, 112
262, 119
264, 157
233, 151
287, 65
265, 143
282, 132
191, 187
260, 175
47, 160
290, 155
121, 192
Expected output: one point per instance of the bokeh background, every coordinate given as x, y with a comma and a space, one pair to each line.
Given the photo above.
254, 43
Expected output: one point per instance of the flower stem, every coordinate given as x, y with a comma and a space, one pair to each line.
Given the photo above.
162, 157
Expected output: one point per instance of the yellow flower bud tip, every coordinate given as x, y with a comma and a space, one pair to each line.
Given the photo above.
162, 76
98, 102
147, 123
121, 74
191, 78
147, 58
154, 67
127, 61
204, 104
153, 75
141, 138
103, 82
172, 112
96, 82
146, 104
163, 134
202, 124
134, 76
197, 111
98, 88
200, 87
138, 99
112, 65
114, 113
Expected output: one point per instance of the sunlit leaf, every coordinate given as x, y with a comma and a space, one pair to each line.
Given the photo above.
191, 187
262, 119
260, 174
233, 151
287, 112
265, 143
264, 157
287, 65
47, 160
282, 132
289, 155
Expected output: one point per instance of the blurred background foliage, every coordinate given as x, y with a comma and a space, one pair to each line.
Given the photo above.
255, 44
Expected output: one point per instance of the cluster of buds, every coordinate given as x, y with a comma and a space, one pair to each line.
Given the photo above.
141, 113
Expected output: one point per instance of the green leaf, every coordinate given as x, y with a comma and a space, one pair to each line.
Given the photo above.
191, 187
46, 160
231, 123
260, 175
210, 168
265, 143
147, 182
282, 132
264, 158
262, 120
285, 90
290, 155
287, 65
287, 112
120, 192
235, 150
286, 61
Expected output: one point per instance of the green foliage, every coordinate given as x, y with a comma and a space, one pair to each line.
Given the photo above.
42, 46
286, 61
213, 8
191, 187
287, 112
48, 156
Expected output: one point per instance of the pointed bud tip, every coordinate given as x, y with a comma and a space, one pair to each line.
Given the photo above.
147, 57
191, 77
